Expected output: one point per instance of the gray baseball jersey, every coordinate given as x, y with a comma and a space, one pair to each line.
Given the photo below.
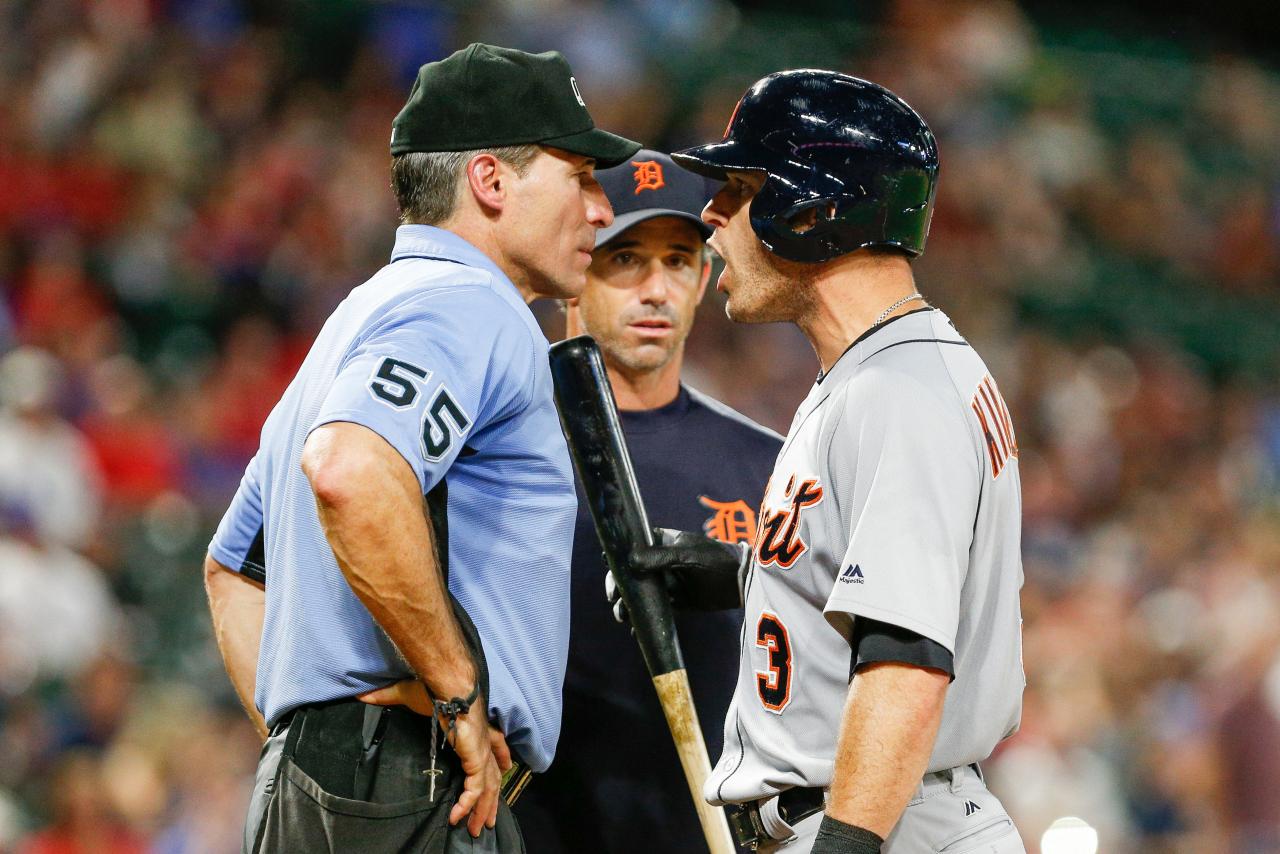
895, 498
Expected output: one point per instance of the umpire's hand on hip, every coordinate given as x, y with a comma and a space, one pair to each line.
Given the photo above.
481, 748
701, 574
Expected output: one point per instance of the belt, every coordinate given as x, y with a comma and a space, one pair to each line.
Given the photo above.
514, 781
794, 806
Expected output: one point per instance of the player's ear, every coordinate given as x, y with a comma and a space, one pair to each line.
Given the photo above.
485, 178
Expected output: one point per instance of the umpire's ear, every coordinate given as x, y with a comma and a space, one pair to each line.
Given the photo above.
486, 178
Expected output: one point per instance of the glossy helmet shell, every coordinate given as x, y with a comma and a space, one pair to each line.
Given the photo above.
852, 150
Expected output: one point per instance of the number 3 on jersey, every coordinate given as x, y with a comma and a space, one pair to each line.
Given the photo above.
774, 685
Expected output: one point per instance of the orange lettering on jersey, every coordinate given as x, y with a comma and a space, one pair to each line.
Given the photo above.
733, 522
648, 175
778, 540
997, 425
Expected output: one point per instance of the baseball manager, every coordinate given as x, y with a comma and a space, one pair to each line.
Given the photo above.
648, 274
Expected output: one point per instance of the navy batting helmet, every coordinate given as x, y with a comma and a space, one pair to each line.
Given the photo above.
850, 150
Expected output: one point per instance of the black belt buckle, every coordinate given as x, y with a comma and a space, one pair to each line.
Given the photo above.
797, 804
744, 821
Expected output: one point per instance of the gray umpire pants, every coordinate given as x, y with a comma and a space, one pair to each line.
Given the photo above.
952, 812
293, 811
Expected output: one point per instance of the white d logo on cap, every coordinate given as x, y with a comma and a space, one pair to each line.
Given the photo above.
574, 83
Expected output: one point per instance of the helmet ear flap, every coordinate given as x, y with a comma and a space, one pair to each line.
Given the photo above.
808, 231
808, 216
786, 226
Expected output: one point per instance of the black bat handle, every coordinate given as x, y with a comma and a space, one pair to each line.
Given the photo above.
589, 417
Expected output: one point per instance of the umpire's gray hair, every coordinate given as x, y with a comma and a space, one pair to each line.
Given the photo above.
426, 182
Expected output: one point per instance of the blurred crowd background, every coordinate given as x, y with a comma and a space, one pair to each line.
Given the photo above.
188, 187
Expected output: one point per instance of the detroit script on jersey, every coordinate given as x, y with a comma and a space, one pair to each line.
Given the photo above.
778, 542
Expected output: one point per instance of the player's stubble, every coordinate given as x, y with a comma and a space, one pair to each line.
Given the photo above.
761, 287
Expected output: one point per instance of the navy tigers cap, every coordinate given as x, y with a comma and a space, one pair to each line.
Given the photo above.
649, 184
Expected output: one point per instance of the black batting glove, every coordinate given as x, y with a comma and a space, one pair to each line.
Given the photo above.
701, 574
836, 837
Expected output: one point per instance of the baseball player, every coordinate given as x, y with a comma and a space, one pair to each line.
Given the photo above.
881, 643
648, 273
411, 505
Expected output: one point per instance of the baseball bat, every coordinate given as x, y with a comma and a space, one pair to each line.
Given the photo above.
589, 416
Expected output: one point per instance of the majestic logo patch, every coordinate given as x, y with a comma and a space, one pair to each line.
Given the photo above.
852, 575
970, 808
733, 522
778, 541
648, 175
997, 426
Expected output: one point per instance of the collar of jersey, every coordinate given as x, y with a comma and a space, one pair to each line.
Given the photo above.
427, 241
885, 333
653, 420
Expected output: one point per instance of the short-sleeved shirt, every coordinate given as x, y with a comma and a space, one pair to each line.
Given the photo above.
896, 499
616, 785
440, 356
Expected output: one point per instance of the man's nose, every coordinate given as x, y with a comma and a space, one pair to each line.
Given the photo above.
599, 211
714, 213
654, 287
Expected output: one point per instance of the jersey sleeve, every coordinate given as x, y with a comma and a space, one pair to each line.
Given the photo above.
432, 373
903, 462
875, 642
238, 542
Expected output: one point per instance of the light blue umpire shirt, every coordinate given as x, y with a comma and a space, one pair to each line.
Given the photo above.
438, 354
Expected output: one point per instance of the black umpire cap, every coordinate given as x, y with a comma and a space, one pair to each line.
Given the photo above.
488, 97
649, 184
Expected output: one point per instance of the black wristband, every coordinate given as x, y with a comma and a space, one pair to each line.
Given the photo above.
451, 709
836, 837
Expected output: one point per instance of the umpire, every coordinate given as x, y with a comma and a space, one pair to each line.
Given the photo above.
648, 273
412, 495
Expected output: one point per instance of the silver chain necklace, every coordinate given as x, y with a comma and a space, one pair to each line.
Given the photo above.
897, 305
879, 320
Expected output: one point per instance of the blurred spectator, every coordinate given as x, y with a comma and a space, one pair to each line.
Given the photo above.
83, 820
1249, 737
57, 305
134, 445
46, 468
188, 188
43, 586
